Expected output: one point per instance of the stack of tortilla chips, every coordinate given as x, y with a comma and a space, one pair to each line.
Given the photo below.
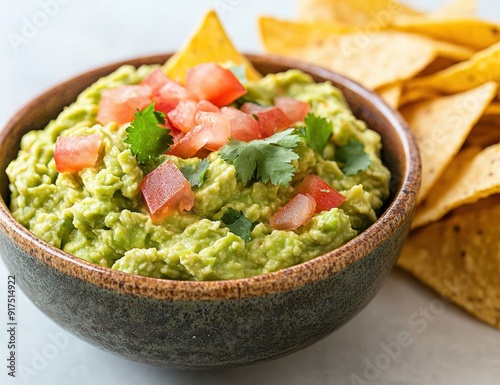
442, 71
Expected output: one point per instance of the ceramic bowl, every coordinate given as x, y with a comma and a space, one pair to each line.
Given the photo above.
197, 325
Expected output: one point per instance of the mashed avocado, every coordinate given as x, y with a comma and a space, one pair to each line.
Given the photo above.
98, 213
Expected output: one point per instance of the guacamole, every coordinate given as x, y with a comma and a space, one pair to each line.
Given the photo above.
98, 213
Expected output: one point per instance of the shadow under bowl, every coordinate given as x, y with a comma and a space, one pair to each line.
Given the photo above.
199, 325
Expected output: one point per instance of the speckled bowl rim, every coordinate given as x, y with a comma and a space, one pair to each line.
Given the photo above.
283, 280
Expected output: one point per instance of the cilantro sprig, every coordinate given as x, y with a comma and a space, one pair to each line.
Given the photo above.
146, 138
353, 156
238, 224
196, 175
268, 159
317, 132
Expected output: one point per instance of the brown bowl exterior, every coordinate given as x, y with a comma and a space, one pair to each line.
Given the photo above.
198, 325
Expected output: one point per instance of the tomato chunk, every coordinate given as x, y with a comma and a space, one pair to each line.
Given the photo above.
172, 92
168, 96
120, 104
294, 109
212, 132
296, 213
165, 106
190, 143
244, 127
326, 197
217, 127
155, 80
216, 84
176, 134
165, 191
270, 119
74, 153
183, 116
205, 105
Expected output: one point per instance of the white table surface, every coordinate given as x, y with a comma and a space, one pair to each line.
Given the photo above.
449, 346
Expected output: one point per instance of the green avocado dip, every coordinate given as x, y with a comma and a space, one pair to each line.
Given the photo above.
98, 214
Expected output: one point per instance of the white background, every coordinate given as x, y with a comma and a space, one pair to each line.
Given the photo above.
449, 347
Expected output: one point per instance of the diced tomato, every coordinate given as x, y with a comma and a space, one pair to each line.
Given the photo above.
165, 190
155, 80
243, 126
326, 197
190, 143
217, 125
212, 132
165, 106
296, 213
120, 104
205, 105
216, 84
172, 91
270, 119
176, 134
294, 109
183, 116
168, 96
252, 108
74, 153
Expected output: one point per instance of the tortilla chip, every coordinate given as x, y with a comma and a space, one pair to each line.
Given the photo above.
391, 93
449, 50
482, 67
282, 36
373, 13
415, 95
458, 8
441, 127
209, 43
375, 60
470, 32
473, 175
459, 257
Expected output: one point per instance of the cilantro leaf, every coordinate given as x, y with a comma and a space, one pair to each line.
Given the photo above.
146, 138
240, 71
317, 132
268, 159
238, 224
196, 175
353, 156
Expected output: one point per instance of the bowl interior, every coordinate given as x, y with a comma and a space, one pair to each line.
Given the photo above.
399, 150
